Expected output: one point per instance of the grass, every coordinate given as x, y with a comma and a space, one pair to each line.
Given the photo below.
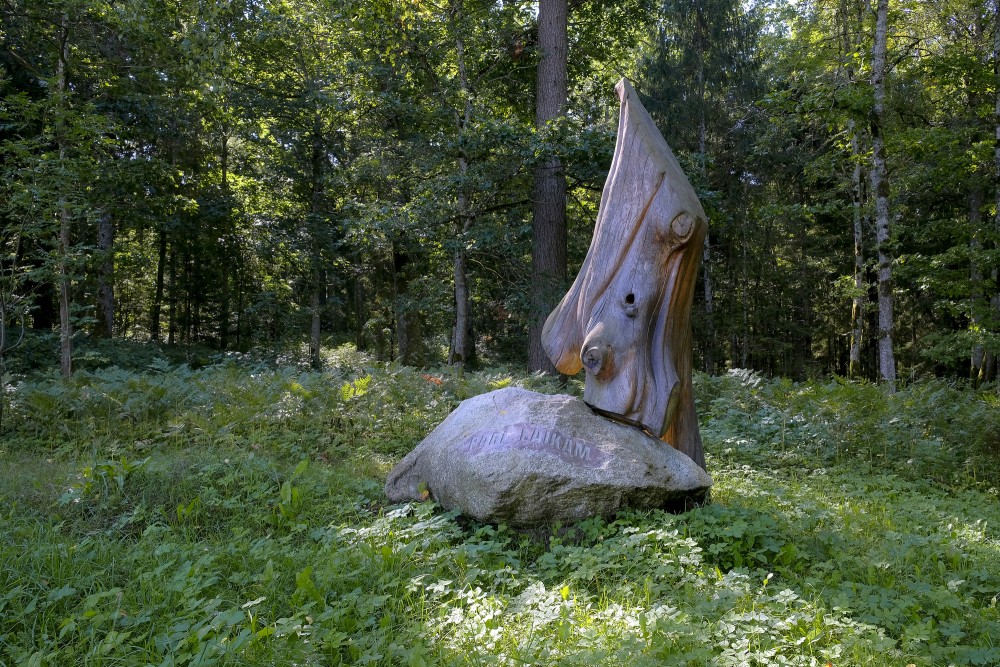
234, 515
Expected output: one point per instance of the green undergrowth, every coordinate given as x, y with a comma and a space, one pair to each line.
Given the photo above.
234, 515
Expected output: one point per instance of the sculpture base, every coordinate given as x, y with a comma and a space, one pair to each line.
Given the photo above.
518, 457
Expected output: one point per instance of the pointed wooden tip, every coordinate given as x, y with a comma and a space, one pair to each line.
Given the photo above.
637, 119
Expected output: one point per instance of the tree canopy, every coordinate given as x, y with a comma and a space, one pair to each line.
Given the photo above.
245, 173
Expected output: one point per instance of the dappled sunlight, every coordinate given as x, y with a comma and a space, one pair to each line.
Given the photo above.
252, 516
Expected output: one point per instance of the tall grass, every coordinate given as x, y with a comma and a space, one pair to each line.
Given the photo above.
233, 515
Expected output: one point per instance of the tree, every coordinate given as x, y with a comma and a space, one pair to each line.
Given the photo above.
990, 364
548, 227
700, 80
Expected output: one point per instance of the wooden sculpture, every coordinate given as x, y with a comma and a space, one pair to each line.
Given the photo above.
626, 319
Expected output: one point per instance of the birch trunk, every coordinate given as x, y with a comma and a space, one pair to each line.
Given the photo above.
977, 305
65, 326
548, 247
858, 302
188, 282
852, 47
880, 186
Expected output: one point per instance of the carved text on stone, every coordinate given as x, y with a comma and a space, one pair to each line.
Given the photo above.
537, 438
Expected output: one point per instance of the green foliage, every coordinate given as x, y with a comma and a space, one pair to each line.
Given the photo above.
234, 515
266, 166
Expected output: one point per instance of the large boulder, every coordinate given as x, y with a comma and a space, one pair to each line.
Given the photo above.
522, 458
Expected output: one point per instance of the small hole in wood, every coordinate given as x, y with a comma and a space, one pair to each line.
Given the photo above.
630, 298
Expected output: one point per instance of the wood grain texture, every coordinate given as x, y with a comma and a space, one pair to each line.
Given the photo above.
626, 320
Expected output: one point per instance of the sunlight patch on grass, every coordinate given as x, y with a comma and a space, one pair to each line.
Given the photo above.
235, 515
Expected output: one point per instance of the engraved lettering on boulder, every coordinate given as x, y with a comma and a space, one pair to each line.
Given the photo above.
534, 438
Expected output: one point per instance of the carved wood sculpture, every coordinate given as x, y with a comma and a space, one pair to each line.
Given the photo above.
627, 318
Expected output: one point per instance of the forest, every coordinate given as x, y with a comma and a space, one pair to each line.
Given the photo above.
242, 174
253, 251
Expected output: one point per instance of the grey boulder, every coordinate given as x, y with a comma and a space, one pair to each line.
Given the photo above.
522, 458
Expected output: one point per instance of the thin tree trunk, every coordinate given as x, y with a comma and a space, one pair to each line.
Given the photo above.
226, 257
187, 296
409, 322
105, 277
238, 278
315, 327
977, 299
399, 300
379, 283
858, 302
880, 186
706, 266
4, 325
990, 364
172, 299
700, 46
548, 247
706, 258
360, 312
852, 48
745, 292
156, 307
463, 347
196, 288
313, 221
65, 326
224, 306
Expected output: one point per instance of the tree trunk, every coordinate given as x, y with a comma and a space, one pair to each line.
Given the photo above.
880, 186
858, 302
316, 206
744, 336
706, 258
196, 288
315, 325
463, 345
226, 235
409, 325
706, 266
172, 298
224, 306
187, 295
156, 307
360, 311
977, 299
852, 48
104, 328
238, 278
990, 365
65, 326
548, 246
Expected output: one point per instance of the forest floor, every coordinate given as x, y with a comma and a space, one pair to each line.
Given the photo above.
234, 515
